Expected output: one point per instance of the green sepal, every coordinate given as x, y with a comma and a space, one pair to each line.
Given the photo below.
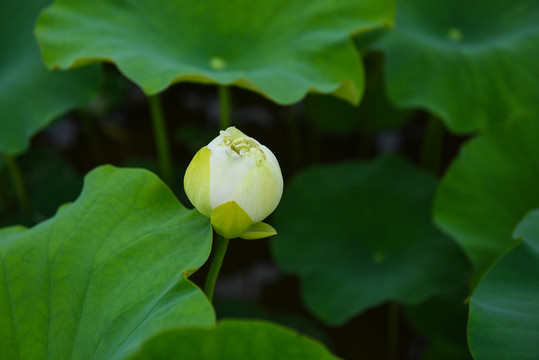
229, 220
197, 181
259, 230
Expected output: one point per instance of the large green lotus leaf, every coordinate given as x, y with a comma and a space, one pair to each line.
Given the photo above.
232, 340
504, 310
104, 274
30, 95
490, 186
361, 234
281, 49
470, 63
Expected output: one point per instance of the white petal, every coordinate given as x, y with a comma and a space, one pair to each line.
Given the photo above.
216, 142
269, 155
260, 191
227, 170
235, 133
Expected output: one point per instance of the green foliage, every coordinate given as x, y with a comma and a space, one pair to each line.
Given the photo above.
331, 114
232, 340
248, 310
358, 238
488, 189
30, 95
471, 64
374, 113
104, 274
504, 310
441, 320
280, 49
50, 181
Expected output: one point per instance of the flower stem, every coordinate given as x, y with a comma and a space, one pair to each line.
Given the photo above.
392, 330
221, 245
431, 152
163, 151
224, 106
18, 183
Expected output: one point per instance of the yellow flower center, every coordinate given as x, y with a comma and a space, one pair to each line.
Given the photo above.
246, 147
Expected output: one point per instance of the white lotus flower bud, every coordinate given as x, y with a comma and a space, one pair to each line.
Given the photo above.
237, 183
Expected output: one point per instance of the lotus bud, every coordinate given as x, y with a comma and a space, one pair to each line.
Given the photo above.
237, 183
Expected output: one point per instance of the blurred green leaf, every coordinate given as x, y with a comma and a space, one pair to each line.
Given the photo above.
280, 49
30, 95
504, 310
470, 63
104, 274
443, 350
233, 340
194, 137
249, 310
113, 94
50, 182
374, 113
361, 234
487, 190
331, 114
442, 320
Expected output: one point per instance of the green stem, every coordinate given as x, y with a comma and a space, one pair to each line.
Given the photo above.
392, 330
224, 106
431, 152
163, 151
92, 136
18, 182
221, 245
